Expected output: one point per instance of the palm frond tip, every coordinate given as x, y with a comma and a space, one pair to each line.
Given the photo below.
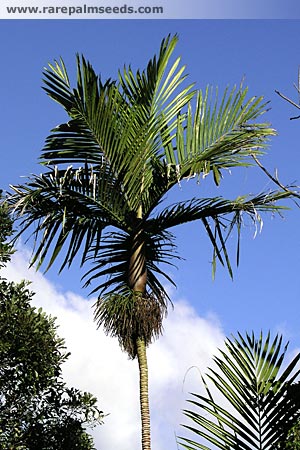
257, 410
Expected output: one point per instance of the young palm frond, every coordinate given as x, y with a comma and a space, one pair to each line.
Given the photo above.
219, 134
257, 409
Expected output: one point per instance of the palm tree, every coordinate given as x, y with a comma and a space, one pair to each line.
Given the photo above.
108, 169
259, 410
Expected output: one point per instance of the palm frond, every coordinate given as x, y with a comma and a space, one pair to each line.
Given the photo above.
218, 136
111, 261
129, 317
257, 409
68, 209
220, 218
120, 123
103, 127
156, 86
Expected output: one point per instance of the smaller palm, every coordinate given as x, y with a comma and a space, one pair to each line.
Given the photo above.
256, 388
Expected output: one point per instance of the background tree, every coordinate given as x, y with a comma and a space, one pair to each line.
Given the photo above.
259, 408
37, 409
289, 100
109, 168
274, 178
291, 440
6, 230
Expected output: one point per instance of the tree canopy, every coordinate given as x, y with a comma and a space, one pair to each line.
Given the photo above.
38, 411
6, 231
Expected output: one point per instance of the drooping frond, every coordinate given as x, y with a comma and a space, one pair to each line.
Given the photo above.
256, 410
129, 317
69, 210
220, 218
111, 262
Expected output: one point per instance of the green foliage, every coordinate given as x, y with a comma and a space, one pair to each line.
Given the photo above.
6, 230
37, 410
256, 407
291, 441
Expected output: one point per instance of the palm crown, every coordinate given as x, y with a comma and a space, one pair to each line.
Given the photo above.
129, 142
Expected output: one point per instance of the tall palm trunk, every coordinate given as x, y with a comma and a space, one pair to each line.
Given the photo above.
137, 281
144, 394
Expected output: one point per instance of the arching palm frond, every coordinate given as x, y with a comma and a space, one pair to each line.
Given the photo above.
218, 135
69, 210
256, 410
156, 88
104, 130
220, 218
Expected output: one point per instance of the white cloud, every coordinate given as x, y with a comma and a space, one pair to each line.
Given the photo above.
97, 364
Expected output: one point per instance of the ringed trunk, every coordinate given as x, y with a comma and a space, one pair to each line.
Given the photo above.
137, 278
144, 394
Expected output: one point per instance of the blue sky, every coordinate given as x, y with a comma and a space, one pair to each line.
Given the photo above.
265, 291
